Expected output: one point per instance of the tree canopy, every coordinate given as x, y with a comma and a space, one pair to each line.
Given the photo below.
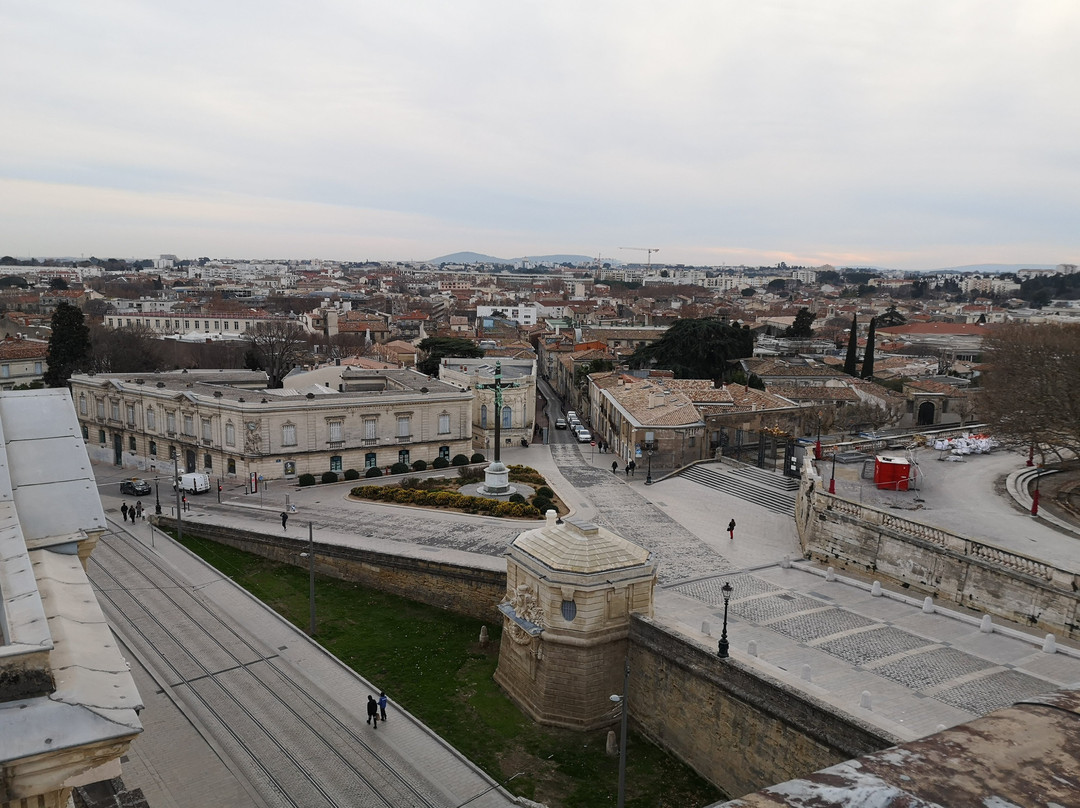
697, 348
276, 347
437, 348
802, 328
851, 361
69, 346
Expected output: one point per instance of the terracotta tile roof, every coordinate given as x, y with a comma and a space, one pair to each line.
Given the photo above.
22, 349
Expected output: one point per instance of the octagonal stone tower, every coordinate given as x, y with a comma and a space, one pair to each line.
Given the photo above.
570, 589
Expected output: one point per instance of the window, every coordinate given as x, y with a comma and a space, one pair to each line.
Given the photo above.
403, 456
172, 453
335, 463
114, 410
153, 448
130, 414
230, 434
101, 436
85, 433
101, 408
336, 431
692, 441
483, 416
369, 461
236, 326
208, 461
507, 417
444, 452
131, 443
170, 422
82, 403
207, 432
151, 418
403, 426
288, 435
370, 425
37, 368
444, 424
232, 466
189, 425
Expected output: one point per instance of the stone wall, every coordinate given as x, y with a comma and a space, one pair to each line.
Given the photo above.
944, 565
735, 726
467, 590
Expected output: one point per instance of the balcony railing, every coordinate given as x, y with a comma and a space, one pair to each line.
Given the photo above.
369, 442
404, 438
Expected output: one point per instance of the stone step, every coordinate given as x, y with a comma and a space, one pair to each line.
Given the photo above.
741, 487
773, 479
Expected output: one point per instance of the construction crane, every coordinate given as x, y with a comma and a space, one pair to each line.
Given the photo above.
649, 250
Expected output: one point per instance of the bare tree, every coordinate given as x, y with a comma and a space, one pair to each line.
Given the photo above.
1031, 391
130, 349
276, 347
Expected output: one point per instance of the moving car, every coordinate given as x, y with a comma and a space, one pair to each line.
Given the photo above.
135, 487
560, 423
194, 482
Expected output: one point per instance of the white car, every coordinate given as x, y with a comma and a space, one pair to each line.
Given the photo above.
560, 423
583, 436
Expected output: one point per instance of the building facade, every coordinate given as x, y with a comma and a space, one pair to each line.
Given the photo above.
225, 422
517, 421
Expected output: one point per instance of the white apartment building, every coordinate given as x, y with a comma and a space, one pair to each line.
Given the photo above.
522, 313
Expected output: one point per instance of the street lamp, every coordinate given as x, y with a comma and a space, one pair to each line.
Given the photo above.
310, 556
648, 474
622, 734
722, 649
1035, 495
817, 446
157, 496
832, 480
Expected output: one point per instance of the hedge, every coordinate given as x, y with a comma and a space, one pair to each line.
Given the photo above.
420, 465
306, 479
446, 499
400, 468
374, 471
352, 474
440, 463
329, 477
476, 458
459, 460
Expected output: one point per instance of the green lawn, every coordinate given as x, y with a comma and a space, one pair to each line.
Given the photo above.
430, 661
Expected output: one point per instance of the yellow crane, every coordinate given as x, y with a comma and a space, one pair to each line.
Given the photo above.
649, 250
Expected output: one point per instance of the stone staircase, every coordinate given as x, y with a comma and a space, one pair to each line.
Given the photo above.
762, 487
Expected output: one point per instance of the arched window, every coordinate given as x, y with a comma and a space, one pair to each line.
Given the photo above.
507, 417
483, 416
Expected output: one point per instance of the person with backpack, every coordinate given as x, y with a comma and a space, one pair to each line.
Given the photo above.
731, 529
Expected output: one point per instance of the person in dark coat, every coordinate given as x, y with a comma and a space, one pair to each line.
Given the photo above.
373, 711
614, 467
731, 529
284, 520
124, 510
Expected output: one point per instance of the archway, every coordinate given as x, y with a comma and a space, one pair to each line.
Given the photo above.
926, 414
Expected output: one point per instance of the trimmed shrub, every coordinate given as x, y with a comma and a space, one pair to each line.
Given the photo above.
374, 471
476, 458
517, 498
399, 468
420, 465
544, 491
440, 463
459, 460
329, 476
411, 482
352, 474
306, 479
542, 504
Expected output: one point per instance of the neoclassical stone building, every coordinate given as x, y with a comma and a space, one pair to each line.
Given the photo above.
518, 417
225, 422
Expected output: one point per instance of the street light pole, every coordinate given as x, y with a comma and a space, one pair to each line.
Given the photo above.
622, 733
157, 496
722, 648
832, 480
648, 475
311, 580
176, 483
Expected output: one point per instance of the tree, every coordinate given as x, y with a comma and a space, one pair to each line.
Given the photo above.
276, 347
697, 348
58, 283
891, 318
69, 345
130, 349
868, 357
1031, 389
437, 348
802, 328
851, 361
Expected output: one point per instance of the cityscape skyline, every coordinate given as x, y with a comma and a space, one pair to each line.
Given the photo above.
922, 137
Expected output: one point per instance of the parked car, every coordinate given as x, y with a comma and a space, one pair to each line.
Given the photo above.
560, 423
571, 415
135, 487
584, 436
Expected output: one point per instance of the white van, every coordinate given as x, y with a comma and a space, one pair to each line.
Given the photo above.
195, 482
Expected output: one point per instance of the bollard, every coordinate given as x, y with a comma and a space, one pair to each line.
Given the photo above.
875, 590
830, 574
786, 562
751, 648
483, 636
706, 629
987, 625
1049, 645
612, 746
806, 673
928, 605
864, 700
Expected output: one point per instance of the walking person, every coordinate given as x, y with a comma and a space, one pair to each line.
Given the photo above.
382, 705
138, 510
633, 467
731, 529
284, 520
124, 510
373, 711
626, 468
614, 466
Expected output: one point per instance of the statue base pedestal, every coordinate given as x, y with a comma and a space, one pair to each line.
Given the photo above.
496, 481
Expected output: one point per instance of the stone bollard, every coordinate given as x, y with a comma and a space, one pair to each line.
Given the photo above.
987, 625
483, 636
806, 673
751, 648
830, 574
864, 700
1049, 644
706, 628
785, 563
928, 605
875, 590
612, 747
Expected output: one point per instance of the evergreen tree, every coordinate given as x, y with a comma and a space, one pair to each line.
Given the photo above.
868, 357
697, 348
69, 345
802, 328
851, 362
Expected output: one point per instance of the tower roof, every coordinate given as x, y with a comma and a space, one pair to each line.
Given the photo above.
581, 547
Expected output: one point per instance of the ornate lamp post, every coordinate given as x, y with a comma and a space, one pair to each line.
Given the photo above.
832, 480
621, 701
1035, 495
722, 649
817, 446
157, 496
648, 473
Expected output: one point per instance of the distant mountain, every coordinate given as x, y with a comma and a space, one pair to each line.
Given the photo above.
480, 258
990, 269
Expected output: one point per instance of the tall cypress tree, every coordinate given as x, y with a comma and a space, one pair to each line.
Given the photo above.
69, 345
868, 357
851, 365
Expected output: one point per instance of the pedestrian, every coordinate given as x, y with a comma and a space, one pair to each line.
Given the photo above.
138, 510
124, 510
633, 467
626, 468
382, 705
372, 711
284, 520
731, 529
614, 466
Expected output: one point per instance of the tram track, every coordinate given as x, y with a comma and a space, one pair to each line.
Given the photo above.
303, 753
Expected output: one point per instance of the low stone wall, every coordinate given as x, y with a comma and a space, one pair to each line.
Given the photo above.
735, 726
933, 561
458, 588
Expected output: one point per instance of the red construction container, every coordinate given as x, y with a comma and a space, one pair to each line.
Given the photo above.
891, 473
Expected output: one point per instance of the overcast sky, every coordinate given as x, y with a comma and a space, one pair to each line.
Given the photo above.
912, 133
